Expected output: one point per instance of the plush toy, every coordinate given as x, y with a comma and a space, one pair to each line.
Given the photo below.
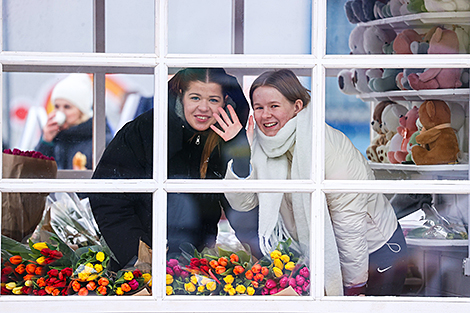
447, 5
390, 122
380, 139
443, 42
437, 141
457, 119
375, 38
362, 80
385, 83
416, 6
360, 10
413, 142
406, 129
402, 42
356, 40
346, 82
382, 10
395, 6
463, 34
404, 7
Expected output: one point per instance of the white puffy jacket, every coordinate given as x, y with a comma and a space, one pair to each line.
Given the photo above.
362, 222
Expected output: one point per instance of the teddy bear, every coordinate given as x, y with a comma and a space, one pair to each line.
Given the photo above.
443, 41
386, 82
406, 129
447, 5
437, 140
403, 40
360, 10
346, 82
375, 38
380, 139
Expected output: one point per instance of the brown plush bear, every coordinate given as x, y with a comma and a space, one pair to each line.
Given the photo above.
380, 139
437, 140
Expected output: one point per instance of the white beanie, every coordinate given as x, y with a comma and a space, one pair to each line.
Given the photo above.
78, 90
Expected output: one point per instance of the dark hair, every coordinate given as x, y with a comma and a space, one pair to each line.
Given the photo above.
285, 82
180, 83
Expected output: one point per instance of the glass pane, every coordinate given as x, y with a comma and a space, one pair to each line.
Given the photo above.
204, 146
48, 25
52, 245
387, 121
258, 27
214, 252
422, 256
130, 27
386, 28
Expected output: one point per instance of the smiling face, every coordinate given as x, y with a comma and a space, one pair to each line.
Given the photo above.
200, 101
272, 110
73, 116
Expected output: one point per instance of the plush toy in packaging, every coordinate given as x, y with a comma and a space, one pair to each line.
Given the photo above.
437, 140
21, 212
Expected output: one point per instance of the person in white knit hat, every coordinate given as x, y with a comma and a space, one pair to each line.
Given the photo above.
67, 135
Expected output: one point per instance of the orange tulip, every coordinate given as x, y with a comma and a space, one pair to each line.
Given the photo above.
102, 290
103, 281
16, 259
76, 286
31, 268
256, 268
223, 261
237, 270
41, 282
20, 269
125, 287
255, 284
220, 269
28, 277
38, 270
264, 271
83, 292
91, 286
214, 263
249, 275
55, 292
259, 277
49, 289
234, 258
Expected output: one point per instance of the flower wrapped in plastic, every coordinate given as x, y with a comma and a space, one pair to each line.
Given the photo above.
132, 281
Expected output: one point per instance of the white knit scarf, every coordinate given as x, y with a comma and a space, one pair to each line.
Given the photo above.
269, 160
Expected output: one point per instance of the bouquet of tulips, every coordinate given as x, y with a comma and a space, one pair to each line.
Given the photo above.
222, 272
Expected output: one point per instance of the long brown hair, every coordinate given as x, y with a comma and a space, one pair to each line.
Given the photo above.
285, 82
180, 83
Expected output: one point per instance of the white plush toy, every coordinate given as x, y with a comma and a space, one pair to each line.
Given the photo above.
346, 82
390, 122
447, 5
463, 33
356, 40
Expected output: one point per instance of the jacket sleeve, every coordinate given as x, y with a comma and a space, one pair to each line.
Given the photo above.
240, 201
128, 156
348, 211
46, 148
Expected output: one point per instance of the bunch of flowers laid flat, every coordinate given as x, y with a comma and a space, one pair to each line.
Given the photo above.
129, 282
221, 272
31, 154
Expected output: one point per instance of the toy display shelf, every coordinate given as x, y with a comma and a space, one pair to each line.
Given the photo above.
423, 242
459, 94
411, 171
421, 20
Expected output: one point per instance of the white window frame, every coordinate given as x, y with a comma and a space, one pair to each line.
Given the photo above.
158, 63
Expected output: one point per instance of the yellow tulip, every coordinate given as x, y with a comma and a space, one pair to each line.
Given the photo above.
232, 291
169, 290
10, 285
227, 287
290, 266
92, 277
17, 290
28, 283
100, 256
277, 272
240, 289
278, 263
41, 260
169, 279
228, 279
189, 287
285, 258
89, 268
128, 276
40, 245
83, 276
276, 254
250, 291
193, 279
146, 277
98, 268
119, 291
201, 288
211, 286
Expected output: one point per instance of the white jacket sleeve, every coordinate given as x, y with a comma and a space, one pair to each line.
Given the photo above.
348, 211
240, 201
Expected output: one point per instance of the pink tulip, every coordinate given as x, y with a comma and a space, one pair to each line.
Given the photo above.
304, 272
270, 284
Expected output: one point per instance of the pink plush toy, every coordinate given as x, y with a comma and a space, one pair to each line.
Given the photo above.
443, 41
402, 43
406, 129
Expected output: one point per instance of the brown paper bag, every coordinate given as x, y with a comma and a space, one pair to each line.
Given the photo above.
21, 212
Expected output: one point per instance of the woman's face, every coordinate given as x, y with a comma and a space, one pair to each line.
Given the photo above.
272, 110
73, 116
200, 101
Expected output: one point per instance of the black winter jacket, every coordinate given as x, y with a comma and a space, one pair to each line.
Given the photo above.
70, 141
123, 219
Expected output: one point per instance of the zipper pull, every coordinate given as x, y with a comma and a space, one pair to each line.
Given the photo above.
198, 140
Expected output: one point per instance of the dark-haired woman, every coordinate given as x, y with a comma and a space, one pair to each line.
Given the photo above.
198, 148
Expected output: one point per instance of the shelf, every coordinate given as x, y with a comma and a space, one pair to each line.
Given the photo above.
411, 171
422, 242
423, 20
460, 94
